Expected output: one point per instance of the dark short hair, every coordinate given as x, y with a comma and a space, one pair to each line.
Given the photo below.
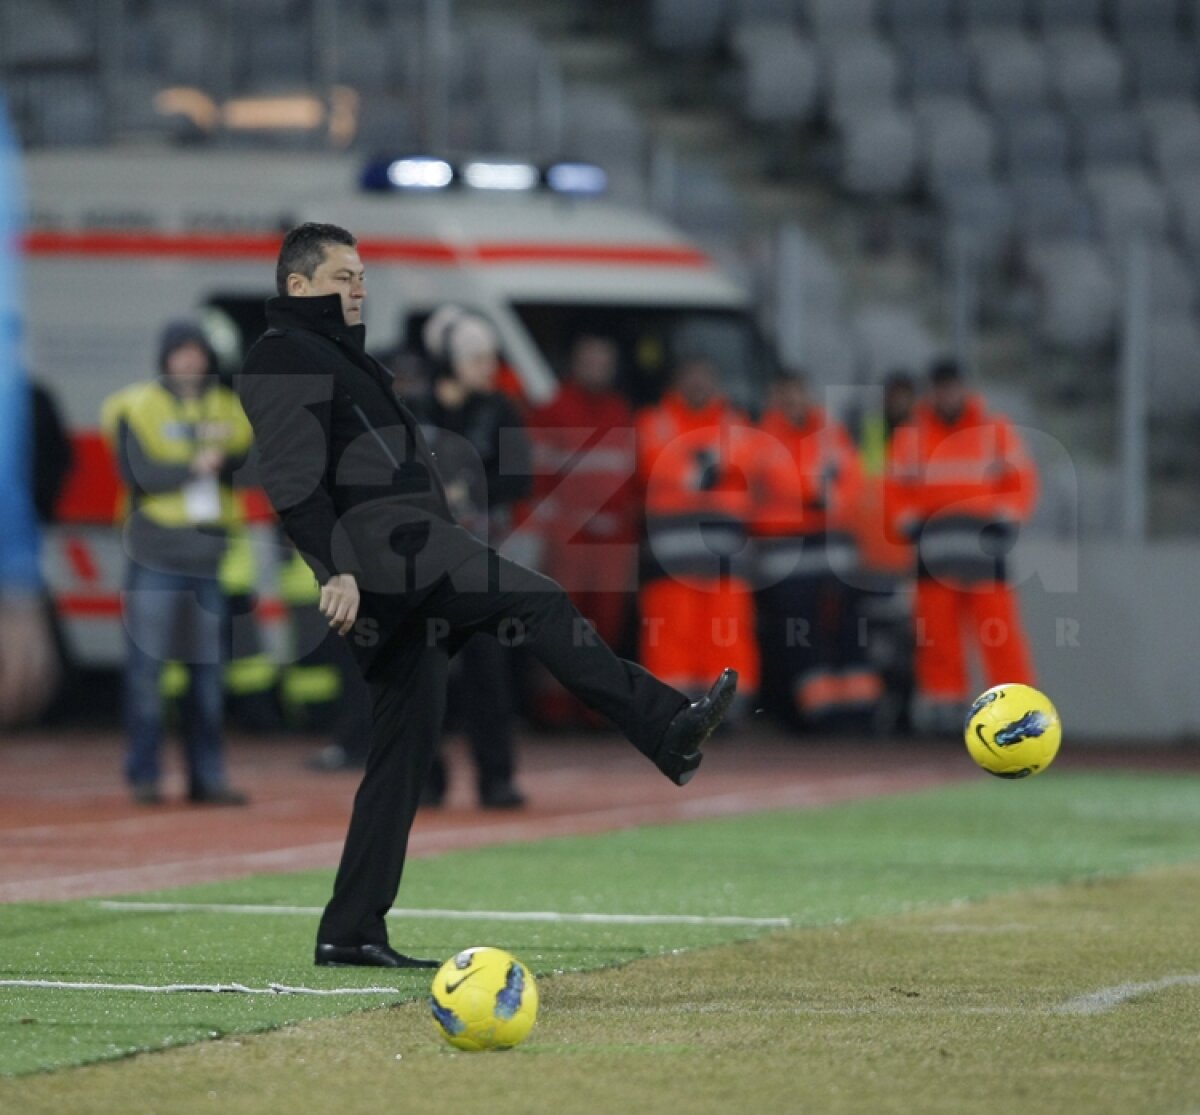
793, 373
945, 370
303, 250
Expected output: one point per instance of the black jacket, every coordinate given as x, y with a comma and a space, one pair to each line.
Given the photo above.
483, 448
346, 467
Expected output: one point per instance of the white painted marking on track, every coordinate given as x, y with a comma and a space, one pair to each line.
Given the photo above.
454, 915
1109, 998
216, 988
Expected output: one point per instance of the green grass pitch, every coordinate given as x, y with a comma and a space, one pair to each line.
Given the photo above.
986, 947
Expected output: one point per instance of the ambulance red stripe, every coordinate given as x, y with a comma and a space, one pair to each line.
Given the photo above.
108, 606
152, 244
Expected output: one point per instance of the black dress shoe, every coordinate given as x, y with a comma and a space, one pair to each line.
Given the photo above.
368, 956
679, 756
501, 795
217, 795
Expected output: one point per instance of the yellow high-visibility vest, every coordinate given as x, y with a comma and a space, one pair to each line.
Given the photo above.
170, 430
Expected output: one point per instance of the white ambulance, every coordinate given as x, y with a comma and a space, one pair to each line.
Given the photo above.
122, 242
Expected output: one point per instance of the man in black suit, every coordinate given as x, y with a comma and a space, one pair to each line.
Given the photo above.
357, 489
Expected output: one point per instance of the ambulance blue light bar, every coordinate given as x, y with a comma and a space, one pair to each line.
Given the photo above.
482, 175
427, 174
420, 174
580, 179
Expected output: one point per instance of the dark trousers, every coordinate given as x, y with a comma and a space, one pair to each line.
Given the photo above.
493, 596
481, 706
808, 629
352, 728
173, 616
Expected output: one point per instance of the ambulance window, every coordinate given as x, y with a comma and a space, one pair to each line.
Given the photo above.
651, 339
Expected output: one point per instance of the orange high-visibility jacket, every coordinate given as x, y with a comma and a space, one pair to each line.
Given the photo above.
688, 460
974, 468
806, 478
692, 469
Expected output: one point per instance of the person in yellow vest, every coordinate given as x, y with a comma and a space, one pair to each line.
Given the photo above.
178, 440
875, 428
250, 675
888, 573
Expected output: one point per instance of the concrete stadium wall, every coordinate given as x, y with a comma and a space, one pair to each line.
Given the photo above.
1116, 633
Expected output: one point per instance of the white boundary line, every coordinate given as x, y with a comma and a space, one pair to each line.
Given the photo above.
453, 915
1096, 1002
1109, 998
218, 988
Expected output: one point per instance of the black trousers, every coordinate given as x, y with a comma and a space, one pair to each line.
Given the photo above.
516, 606
808, 623
482, 707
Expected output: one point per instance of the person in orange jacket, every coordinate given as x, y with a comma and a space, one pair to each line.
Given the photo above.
585, 499
806, 480
960, 482
697, 601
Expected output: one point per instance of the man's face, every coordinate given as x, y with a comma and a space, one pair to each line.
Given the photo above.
793, 400
341, 273
949, 398
477, 371
594, 364
186, 366
697, 381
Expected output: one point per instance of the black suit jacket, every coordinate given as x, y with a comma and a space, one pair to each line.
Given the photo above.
346, 467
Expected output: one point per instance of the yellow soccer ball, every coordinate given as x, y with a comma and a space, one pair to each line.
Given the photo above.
1013, 731
484, 998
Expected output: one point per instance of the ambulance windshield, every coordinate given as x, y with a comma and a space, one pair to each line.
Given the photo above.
651, 339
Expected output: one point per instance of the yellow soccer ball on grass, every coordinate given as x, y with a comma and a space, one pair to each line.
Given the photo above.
1013, 731
484, 998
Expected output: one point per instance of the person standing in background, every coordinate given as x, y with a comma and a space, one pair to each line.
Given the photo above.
888, 562
51, 460
806, 479
52, 452
482, 452
877, 428
28, 662
697, 602
585, 458
960, 482
178, 440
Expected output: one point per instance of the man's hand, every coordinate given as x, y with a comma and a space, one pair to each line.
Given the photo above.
208, 462
28, 661
339, 602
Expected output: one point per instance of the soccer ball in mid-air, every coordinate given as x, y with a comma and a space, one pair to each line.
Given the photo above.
1013, 731
484, 998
